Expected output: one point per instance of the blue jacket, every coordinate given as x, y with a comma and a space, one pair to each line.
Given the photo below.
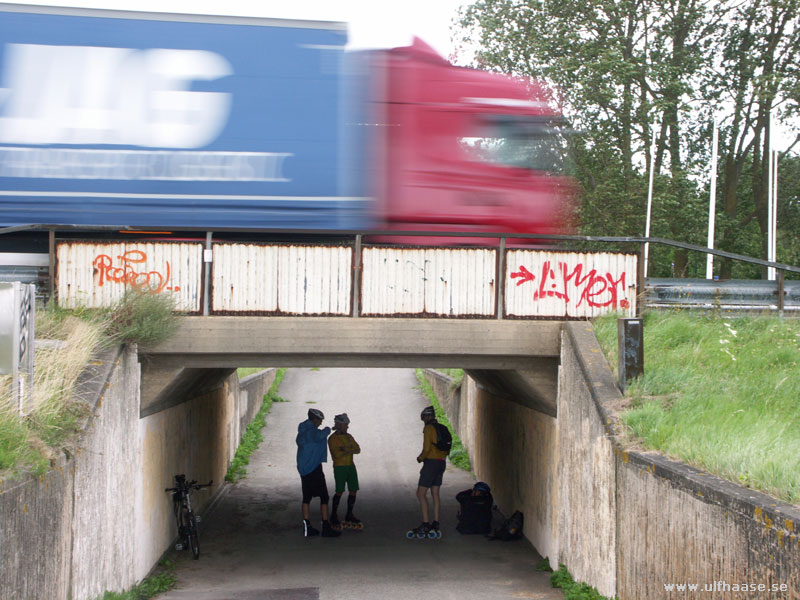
312, 449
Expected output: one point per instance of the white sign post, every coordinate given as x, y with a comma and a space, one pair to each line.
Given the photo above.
17, 324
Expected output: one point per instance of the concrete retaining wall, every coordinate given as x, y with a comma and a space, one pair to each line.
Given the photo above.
628, 523
69, 533
100, 520
252, 390
35, 540
660, 522
512, 448
587, 509
199, 439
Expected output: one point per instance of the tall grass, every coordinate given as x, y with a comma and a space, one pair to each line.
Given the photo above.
721, 394
31, 443
143, 318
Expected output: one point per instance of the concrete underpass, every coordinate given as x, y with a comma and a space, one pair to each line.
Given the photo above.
536, 413
256, 525
251, 541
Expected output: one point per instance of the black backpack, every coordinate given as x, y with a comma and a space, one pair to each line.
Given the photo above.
444, 441
511, 529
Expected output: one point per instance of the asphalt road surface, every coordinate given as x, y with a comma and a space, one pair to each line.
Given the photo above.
252, 545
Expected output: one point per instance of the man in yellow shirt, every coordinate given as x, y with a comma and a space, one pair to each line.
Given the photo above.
343, 446
430, 476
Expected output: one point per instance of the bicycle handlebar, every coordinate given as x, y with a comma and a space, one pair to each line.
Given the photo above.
192, 485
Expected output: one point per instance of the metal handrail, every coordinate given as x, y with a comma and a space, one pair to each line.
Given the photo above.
454, 234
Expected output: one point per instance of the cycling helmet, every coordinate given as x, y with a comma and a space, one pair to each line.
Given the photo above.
481, 487
428, 412
314, 413
342, 418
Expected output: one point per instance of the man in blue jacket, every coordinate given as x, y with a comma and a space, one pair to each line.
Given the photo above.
312, 451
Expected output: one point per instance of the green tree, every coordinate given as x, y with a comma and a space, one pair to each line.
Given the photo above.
641, 81
757, 76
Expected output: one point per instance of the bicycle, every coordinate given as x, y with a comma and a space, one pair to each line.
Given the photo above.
184, 515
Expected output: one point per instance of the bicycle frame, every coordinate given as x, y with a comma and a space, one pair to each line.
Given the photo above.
185, 519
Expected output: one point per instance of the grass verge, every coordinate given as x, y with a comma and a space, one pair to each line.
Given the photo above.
572, 589
149, 587
720, 394
32, 442
458, 454
252, 436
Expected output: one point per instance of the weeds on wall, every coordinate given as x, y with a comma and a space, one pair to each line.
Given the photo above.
67, 340
252, 436
143, 318
150, 587
572, 589
458, 453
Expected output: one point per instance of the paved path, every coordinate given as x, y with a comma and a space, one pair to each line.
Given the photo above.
252, 545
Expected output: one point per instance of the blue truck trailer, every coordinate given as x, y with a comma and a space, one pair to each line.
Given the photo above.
157, 120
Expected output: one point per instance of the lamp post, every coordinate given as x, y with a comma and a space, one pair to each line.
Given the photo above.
649, 201
712, 202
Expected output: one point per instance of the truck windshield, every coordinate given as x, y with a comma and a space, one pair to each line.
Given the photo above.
534, 143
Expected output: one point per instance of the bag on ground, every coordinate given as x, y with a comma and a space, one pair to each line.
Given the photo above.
511, 529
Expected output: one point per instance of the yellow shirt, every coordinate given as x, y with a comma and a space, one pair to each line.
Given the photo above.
343, 446
429, 450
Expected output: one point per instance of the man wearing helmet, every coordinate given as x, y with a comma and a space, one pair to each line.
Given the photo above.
312, 451
430, 476
343, 446
475, 512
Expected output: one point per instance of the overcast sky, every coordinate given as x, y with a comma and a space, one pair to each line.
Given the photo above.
371, 24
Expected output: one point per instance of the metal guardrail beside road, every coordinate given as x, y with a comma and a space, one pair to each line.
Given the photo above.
732, 295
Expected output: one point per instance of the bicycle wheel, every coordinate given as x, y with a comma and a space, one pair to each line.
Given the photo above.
194, 543
183, 527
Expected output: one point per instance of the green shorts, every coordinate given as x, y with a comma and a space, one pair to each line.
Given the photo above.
345, 475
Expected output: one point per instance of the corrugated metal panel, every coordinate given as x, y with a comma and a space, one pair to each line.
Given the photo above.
449, 282
282, 279
244, 278
97, 275
569, 284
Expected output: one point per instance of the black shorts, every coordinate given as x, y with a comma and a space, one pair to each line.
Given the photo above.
314, 485
430, 475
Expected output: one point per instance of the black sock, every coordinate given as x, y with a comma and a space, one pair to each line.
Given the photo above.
351, 500
335, 505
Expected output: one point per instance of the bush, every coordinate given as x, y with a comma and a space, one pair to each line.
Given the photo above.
143, 318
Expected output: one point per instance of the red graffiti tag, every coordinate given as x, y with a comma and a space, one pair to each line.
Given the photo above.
125, 272
524, 275
555, 281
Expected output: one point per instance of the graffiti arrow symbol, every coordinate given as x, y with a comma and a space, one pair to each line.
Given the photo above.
524, 275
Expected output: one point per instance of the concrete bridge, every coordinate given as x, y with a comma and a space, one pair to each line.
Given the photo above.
516, 359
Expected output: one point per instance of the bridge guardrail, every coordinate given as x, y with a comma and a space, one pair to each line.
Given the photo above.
318, 279
654, 294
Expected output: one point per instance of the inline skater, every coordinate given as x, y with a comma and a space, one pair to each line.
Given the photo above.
430, 476
343, 446
312, 451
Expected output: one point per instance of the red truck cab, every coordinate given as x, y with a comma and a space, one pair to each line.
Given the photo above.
466, 150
